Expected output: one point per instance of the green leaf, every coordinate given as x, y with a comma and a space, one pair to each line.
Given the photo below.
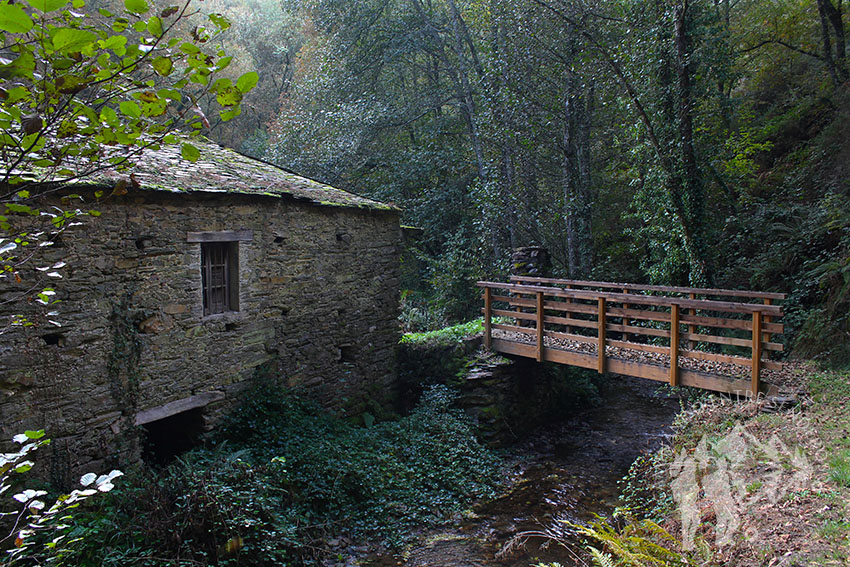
223, 63
189, 48
247, 81
155, 26
22, 66
228, 97
220, 21
115, 43
130, 108
230, 113
69, 40
13, 19
47, 5
136, 6
162, 66
108, 115
221, 85
17, 93
190, 152
34, 434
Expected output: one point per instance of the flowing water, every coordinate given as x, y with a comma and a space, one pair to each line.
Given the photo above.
567, 472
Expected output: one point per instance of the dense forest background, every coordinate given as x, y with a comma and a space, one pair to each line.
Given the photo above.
700, 142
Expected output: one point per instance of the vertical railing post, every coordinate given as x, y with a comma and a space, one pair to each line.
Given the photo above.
767, 319
539, 326
756, 353
625, 318
692, 329
569, 314
488, 312
674, 345
600, 354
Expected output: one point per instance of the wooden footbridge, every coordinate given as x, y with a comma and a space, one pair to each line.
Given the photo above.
714, 339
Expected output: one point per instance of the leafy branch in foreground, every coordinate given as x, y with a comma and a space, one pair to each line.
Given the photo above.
31, 516
82, 93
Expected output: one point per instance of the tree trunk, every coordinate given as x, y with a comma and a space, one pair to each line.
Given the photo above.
692, 203
831, 14
575, 143
827, 42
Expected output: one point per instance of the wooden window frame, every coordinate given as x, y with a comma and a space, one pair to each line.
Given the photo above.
220, 269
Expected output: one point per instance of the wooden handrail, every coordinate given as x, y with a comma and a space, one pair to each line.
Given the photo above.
572, 312
659, 288
701, 304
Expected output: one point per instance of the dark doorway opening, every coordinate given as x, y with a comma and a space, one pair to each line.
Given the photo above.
170, 437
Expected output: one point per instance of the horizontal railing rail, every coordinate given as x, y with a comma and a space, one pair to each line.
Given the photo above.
651, 288
679, 327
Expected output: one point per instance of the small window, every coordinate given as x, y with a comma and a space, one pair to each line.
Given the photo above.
220, 276
220, 267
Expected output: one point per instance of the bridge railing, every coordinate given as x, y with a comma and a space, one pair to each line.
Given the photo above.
549, 315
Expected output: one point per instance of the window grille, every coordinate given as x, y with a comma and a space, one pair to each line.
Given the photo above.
216, 267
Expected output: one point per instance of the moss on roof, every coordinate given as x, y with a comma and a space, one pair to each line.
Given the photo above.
222, 170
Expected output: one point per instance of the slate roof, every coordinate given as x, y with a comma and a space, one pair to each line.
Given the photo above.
222, 170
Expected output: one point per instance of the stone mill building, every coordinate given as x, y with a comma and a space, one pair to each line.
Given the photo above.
195, 278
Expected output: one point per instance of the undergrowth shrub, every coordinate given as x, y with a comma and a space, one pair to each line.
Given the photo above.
446, 335
379, 480
281, 476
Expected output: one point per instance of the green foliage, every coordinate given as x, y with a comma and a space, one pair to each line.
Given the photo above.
645, 490
84, 93
384, 479
839, 468
36, 532
496, 125
417, 316
284, 477
640, 543
120, 81
446, 335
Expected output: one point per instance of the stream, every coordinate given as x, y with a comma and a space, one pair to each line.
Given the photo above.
567, 471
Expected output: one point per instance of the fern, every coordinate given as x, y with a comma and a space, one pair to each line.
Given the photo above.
635, 546
601, 559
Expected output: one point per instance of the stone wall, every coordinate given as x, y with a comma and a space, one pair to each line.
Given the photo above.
531, 261
507, 398
318, 305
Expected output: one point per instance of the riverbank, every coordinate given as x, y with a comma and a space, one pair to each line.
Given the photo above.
731, 482
747, 483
